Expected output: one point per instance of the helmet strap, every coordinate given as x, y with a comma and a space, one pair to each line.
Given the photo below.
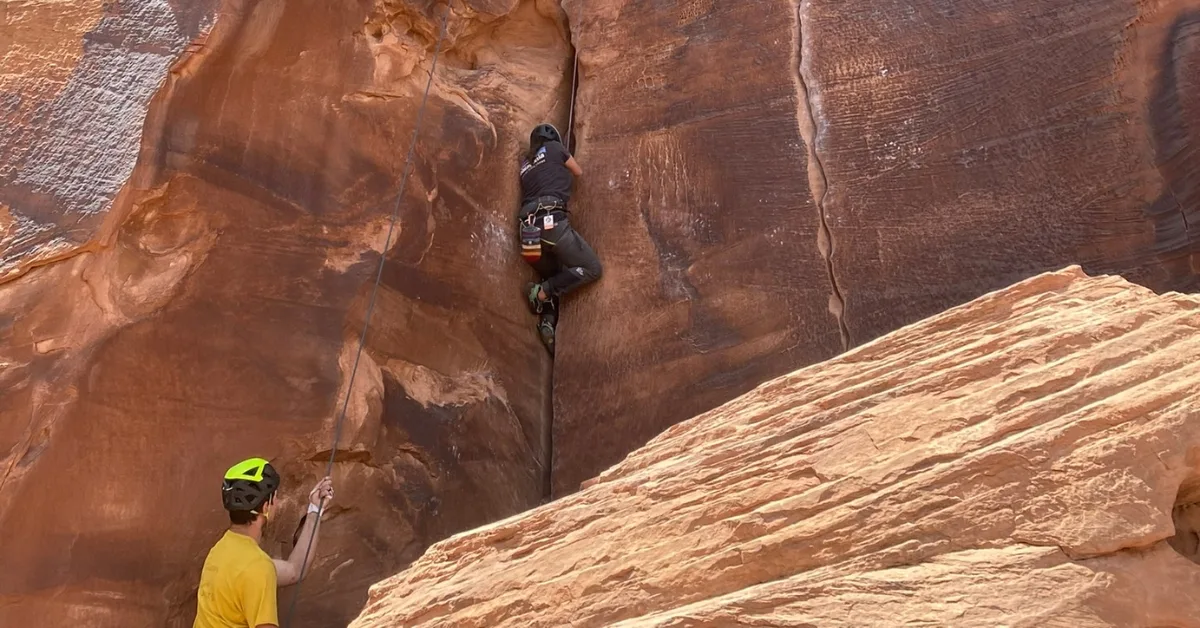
261, 511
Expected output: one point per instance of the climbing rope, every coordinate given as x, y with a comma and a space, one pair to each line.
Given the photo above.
571, 109
337, 433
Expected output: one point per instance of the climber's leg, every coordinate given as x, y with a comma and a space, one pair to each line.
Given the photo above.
577, 262
548, 266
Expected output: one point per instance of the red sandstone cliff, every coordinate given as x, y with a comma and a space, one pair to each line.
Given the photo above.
216, 234
769, 180
193, 198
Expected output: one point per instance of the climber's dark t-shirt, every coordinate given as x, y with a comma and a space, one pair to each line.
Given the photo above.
547, 175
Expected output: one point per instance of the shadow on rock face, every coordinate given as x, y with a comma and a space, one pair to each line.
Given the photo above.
1186, 512
1175, 120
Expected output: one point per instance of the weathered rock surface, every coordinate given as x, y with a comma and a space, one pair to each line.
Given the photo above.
698, 194
767, 179
967, 144
1014, 461
193, 199
75, 88
210, 310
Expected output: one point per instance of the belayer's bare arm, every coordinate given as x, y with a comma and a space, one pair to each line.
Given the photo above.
288, 571
573, 166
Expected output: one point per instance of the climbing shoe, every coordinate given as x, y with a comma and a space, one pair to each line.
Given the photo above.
546, 331
536, 304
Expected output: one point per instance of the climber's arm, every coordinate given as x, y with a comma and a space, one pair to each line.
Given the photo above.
573, 166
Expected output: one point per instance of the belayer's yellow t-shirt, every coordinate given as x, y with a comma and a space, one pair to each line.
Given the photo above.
237, 586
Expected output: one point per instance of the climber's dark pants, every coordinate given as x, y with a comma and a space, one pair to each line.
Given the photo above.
568, 261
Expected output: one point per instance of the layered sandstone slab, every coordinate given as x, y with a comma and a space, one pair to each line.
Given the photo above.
764, 180
1013, 461
216, 314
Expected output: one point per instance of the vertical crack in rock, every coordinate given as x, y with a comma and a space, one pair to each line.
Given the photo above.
548, 435
816, 172
548, 379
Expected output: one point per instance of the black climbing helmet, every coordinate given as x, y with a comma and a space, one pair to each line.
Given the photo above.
248, 485
544, 132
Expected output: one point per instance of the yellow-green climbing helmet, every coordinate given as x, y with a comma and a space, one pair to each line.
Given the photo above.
248, 484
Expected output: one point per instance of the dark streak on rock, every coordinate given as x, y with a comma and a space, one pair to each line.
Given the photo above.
345, 456
706, 331
418, 285
1176, 101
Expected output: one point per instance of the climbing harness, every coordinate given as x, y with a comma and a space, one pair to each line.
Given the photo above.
337, 434
539, 216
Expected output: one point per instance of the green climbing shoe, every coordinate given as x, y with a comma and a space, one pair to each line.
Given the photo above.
536, 304
546, 331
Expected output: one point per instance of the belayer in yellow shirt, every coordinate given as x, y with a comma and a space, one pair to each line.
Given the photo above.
237, 586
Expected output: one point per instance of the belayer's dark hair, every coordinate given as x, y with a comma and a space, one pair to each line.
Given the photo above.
247, 517
541, 134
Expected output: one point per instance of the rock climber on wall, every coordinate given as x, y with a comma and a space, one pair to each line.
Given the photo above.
237, 586
562, 258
